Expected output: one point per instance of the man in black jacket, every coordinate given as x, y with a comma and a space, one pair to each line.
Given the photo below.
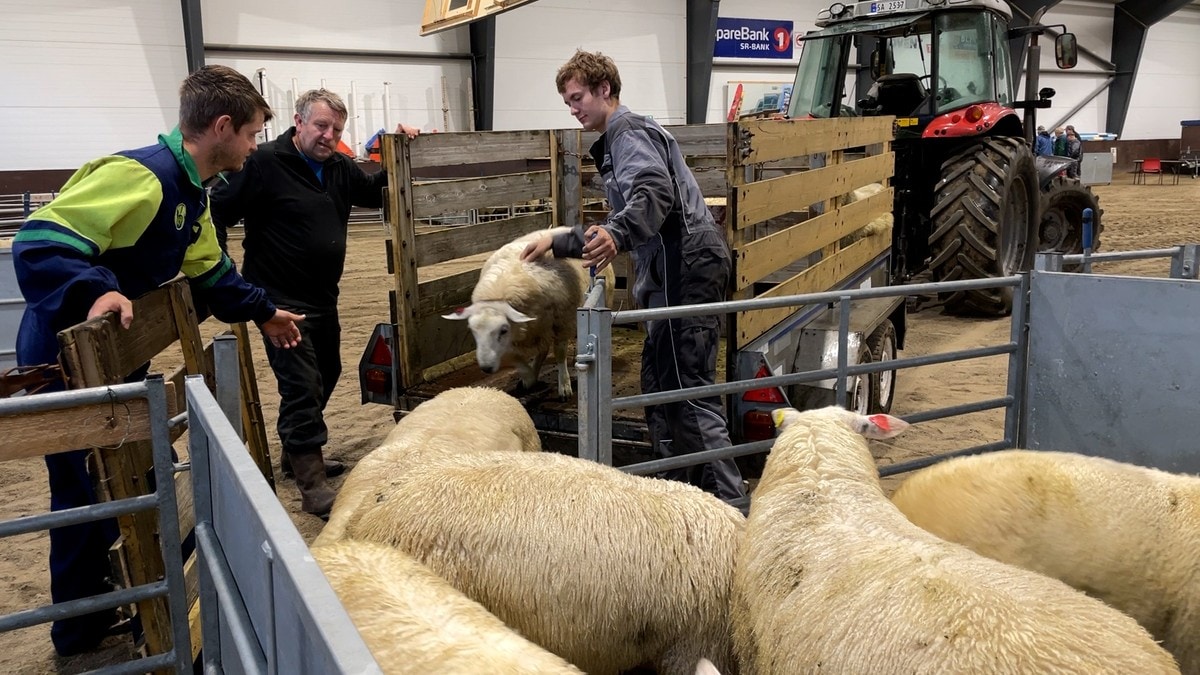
295, 195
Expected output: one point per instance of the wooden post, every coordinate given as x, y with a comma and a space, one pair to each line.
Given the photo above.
89, 352
568, 178
397, 161
254, 427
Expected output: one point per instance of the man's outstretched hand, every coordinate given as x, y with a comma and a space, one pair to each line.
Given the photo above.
281, 329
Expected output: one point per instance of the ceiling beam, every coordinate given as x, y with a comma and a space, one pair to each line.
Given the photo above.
1132, 19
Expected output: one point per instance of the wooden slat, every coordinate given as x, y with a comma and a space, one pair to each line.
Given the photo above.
818, 278
465, 240
187, 327
770, 140
439, 296
759, 258
477, 147
699, 139
442, 340
43, 433
766, 199
455, 196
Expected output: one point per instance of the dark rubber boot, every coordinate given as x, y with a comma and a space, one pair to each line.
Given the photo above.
333, 468
316, 496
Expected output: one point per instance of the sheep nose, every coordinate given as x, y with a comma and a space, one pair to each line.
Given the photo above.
489, 369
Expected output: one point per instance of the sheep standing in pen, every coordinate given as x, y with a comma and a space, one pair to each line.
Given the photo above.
607, 570
415, 622
466, 419
832, 578
1125, 534
520, 311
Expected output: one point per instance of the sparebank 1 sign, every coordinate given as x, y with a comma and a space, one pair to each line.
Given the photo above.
753, 38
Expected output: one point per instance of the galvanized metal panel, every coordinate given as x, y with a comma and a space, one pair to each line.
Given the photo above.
1113, 370
12, 306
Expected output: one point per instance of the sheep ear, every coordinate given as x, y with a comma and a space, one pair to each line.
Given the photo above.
706, 667
516, 316
883, 426
782, 417
460, 313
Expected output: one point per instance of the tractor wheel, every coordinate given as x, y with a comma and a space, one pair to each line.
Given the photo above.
1063, 202
984, 222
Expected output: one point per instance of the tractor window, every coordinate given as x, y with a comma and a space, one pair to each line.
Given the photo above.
966, 65
817, 85
1004, 78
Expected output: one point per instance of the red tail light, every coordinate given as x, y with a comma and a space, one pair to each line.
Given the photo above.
757, 426
765, 395
381, 353
974, 114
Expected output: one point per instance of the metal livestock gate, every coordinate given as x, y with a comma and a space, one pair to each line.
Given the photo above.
1098, 365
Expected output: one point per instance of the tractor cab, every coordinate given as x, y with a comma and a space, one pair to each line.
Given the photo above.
942, 74
971, 201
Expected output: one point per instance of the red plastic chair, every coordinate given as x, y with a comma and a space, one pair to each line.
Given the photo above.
1150, 166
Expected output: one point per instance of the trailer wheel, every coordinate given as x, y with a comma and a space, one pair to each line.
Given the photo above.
985, 221
882, 344
861, 394
1061, 229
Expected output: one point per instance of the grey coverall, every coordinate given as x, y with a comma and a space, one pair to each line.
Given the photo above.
680, 258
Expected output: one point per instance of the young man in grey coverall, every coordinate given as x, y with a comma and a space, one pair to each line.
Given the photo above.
680, 258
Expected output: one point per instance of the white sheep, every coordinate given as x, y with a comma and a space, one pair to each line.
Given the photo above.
1125, 534
498, 422
415, 622
605, 569
519, 311
831, 577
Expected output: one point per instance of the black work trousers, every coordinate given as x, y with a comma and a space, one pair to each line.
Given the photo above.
680, 353
306, 375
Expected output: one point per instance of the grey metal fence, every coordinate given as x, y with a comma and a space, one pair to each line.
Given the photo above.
118, 398
594, 364
266, 607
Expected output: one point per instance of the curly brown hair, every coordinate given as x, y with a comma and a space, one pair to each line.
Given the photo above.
215, 90
591, 69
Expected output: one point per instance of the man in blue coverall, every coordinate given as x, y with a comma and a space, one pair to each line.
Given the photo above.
680, 258
122, 226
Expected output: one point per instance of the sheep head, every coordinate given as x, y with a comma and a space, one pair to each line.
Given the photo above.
492, 325
878, 426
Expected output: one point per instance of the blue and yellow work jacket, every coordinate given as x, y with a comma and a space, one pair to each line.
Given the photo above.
129, 222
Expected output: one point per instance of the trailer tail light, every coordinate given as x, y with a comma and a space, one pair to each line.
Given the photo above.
973, 114
766, 394
375, 367
757, 426
378, 380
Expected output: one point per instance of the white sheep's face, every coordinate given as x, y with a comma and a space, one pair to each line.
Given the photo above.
492, 325
878, 426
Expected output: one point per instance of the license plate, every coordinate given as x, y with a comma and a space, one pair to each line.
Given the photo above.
886, 6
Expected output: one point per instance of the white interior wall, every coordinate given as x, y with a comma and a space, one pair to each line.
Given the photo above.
83, 78
646, 39
414, 84
802, 14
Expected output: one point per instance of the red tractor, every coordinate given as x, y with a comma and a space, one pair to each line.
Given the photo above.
971, 200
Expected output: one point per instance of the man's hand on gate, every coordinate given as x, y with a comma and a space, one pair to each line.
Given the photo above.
113, 301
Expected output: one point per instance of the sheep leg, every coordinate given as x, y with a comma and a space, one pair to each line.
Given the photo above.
564, 376
529, 371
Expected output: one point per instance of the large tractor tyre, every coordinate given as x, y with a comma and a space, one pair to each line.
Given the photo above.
985, 211
1061, 229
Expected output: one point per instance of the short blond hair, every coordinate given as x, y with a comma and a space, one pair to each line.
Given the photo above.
307, 99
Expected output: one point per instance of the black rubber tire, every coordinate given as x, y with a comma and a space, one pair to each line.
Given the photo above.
862, 393
1062, 203
882, 344
984, 222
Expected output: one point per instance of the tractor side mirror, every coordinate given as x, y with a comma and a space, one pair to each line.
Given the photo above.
1046, 93
1066, 51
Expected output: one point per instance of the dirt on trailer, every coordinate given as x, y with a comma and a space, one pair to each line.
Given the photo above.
1135, 217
